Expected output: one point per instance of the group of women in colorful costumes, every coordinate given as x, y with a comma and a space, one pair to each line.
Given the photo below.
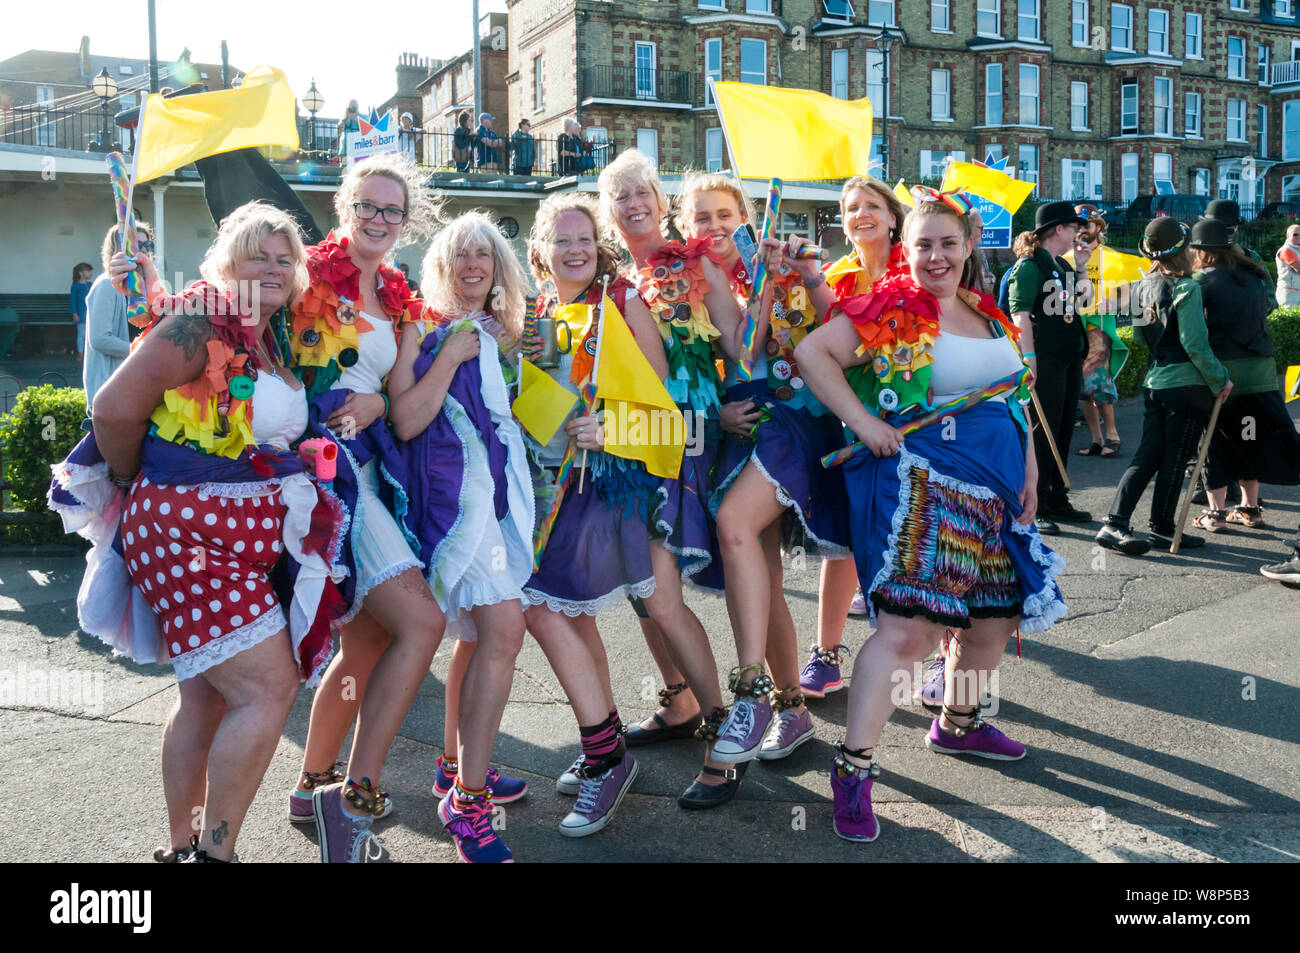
216, 546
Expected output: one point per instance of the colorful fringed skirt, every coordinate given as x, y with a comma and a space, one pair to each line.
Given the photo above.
598, 551
787, 449
934, 531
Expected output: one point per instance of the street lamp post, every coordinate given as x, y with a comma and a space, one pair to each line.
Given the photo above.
883, 42
106, 89
313, 102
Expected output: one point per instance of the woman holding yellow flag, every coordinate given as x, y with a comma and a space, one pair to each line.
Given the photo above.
592, 549
471, 504
682, 287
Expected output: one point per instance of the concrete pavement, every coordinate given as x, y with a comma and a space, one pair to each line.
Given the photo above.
1159, 716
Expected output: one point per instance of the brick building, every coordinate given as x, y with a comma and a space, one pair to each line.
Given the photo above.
1089, 98
449, 88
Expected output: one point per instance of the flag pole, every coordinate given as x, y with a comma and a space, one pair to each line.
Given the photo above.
595, 367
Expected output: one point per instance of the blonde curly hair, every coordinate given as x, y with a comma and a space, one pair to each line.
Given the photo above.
542, 237
505, 301
423, 208
240, 238
630, 168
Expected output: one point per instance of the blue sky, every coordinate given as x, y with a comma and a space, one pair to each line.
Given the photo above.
354, 56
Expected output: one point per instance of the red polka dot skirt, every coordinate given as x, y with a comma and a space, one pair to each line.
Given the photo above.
202, 562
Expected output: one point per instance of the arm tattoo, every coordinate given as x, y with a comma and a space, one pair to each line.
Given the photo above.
220, 833
188, 332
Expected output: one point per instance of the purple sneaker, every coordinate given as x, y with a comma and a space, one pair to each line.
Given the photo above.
599, 799
742, 733
344, 837
930, 694
302, 811
789, 730
821, 675
471, 828
854, 819
859, 604
504, 790
980, 739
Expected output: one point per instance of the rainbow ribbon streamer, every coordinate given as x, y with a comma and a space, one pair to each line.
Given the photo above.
956, 406
531, 334
137, 303
587, 398
761, 280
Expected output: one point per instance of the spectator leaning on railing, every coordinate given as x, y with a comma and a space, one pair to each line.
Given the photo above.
406, 136
523, 149
349, 123
462, 143
568, 147
488, 143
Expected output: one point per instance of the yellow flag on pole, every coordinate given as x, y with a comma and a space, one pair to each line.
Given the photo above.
904, 195
998, 187
543, 402
641, 420
794, 133
1292, 382
177, 131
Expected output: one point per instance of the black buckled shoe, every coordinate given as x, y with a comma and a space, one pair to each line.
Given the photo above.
637, 736
1045, 526
702, 797
1121, 539
1166, 539
1064, 511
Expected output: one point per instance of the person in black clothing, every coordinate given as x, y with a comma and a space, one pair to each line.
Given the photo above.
462, 145
569, 148
1041, 296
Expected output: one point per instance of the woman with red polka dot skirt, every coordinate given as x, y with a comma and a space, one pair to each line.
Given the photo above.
213, 548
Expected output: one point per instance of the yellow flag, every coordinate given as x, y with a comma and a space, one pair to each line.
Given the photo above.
1292, 382
575, 317
794, 133
1117, 267
179, 130
998, 187
641, 420
543, 402
904, 195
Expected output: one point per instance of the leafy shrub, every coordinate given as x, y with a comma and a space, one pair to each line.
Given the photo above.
42, 429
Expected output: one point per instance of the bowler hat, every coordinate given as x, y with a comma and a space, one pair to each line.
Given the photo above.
1210, 233
1224, 210
1164, 237
1051, 214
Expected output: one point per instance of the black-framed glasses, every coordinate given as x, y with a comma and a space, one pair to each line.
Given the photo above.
391, 213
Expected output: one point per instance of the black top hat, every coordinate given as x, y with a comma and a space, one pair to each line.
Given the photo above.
1210, 233
1224, 210
1051, 214
1164, 237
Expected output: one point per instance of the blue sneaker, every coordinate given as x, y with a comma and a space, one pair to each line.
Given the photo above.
504, 790
471, 828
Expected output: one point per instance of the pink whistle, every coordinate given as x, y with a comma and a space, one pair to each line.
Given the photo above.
321, 454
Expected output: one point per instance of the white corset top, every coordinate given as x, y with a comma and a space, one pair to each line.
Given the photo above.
376, 355
279, 412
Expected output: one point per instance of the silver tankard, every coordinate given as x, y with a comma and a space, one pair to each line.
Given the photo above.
556, 340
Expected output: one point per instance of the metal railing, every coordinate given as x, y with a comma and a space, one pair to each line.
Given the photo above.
438, 152
1286, 73
37, 125
638, 83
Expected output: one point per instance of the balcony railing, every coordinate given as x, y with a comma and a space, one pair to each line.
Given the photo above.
1286, 73
48, 128
437, 152
638, 83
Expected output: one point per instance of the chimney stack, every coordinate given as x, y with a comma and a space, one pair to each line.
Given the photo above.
83, 57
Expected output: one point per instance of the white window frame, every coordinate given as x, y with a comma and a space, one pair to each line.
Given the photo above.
539, 77
940, 16
1128, 129
1079, 102
1024, 72
1194, 51
933, 162
1283, 8
840, 74
1129, 171
1154, 15
1261, 130
982, 11
759, 7
1032, 19
1291, 130
1156, 163
993, 97
875, 62
712, 4
648, 89
1239, 60
1236, 4
1236, 105
713, 43
714, 149
1193, 130
1078, 7
1114, 28
647, 143
1162, 115
1263, 58
1031, 174
941, 95
1201, 181
751, 41
838, 17
871, 14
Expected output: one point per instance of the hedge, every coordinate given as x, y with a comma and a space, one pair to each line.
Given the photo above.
42, 429
1283, 327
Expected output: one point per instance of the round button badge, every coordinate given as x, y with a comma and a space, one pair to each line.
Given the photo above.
784, 392
310, 337
880, 366
346, 313
888, 399
781, 370
241, 387
348, 356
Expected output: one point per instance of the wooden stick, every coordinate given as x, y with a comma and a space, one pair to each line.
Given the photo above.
595, 366
1186, 505
1051, 440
